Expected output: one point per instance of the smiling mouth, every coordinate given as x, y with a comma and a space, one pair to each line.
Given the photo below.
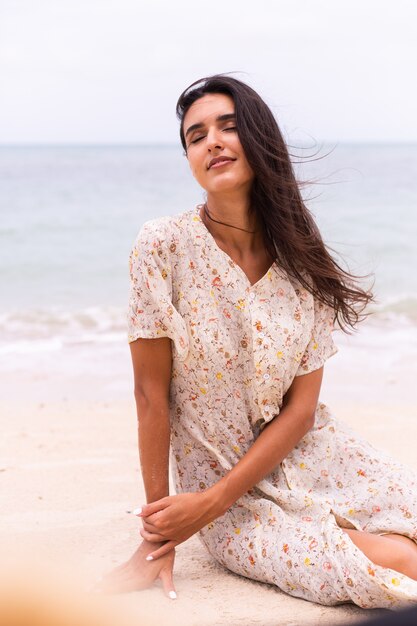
221, 163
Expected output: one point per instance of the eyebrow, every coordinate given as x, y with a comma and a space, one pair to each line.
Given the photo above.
221, 118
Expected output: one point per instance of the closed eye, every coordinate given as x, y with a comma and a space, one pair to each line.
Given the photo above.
197, 139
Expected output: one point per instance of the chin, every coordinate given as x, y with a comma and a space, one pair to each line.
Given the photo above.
225, 185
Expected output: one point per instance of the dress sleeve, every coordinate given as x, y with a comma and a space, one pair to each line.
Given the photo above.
321, 345
151, 312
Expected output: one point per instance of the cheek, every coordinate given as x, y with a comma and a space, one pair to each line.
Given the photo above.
197, 169
243, 160
247, 168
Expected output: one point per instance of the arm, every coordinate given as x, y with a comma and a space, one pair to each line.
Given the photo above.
177, 518
151, 359
275, 442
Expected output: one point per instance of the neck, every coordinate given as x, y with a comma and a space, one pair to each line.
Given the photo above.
240, 231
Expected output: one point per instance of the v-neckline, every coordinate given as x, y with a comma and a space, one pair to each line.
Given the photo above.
209, 237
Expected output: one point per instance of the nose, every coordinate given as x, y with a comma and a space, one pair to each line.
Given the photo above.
214, 140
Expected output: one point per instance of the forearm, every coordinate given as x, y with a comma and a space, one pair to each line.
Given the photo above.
272, 446
181, 516
154, 443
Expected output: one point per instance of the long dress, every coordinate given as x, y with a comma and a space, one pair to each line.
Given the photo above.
236, 350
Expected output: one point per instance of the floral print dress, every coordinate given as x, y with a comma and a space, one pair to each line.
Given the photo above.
236, 350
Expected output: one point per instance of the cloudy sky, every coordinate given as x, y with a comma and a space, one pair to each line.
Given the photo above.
106, 71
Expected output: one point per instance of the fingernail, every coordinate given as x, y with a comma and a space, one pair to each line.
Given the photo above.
137, 511
149, 558
172, 595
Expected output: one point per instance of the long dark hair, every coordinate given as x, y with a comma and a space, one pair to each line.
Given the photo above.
289, 230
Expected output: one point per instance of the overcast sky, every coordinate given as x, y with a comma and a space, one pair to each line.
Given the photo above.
106, 71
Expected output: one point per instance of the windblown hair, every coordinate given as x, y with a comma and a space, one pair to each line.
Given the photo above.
289, 230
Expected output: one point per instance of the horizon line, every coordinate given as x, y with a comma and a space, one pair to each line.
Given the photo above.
140, 144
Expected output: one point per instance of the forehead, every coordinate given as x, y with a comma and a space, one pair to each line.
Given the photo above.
210, 105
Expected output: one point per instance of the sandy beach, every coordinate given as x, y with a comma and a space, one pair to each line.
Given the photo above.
69, 471
91, 149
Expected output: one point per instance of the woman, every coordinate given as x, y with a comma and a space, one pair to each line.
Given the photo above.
232, 307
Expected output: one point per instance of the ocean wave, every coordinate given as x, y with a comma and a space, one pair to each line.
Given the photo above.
47, 330
53, 329
403, 305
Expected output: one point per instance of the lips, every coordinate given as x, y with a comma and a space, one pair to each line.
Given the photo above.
220, 159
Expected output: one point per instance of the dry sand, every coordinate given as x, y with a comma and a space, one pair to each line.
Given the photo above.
69, 475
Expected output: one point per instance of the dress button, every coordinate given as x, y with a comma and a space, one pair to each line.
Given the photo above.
266, 376
261, 335
251, 295
267, 408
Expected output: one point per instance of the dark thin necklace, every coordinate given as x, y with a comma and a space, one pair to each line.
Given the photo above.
224, 224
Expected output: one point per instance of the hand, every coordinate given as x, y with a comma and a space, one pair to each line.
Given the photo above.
138, 573
175, 519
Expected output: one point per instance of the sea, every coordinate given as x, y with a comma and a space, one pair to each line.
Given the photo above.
69, 216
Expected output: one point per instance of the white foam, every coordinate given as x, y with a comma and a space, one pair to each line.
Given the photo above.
47, 330
54, 329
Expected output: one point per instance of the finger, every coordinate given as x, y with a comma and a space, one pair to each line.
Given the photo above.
154, 518
167, 547
152, 537
137, 511
150, 528
153, 507
167, 583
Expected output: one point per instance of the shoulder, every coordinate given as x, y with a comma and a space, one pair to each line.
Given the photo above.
164, 232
